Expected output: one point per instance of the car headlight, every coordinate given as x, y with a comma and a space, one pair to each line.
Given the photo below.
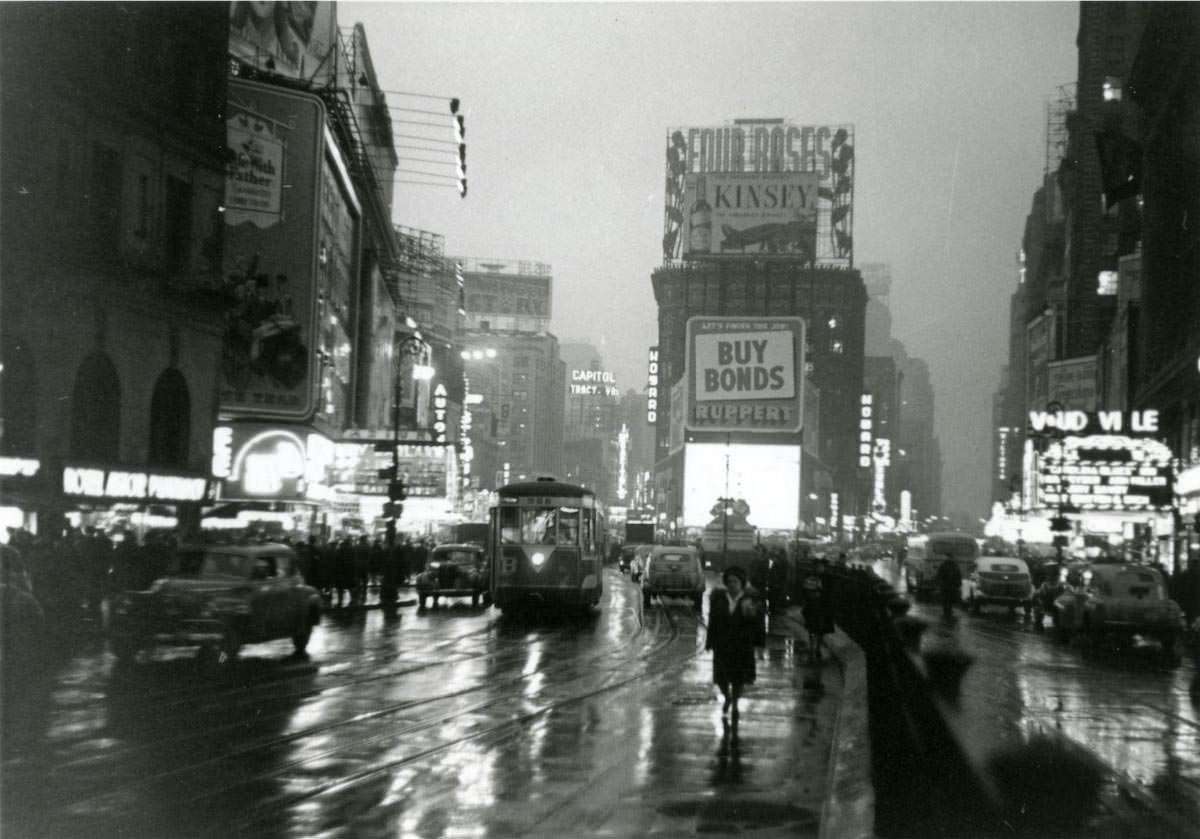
538, 559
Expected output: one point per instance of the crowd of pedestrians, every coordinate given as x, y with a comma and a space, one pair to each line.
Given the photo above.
71, 575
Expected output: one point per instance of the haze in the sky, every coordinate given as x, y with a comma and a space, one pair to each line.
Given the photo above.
567, 107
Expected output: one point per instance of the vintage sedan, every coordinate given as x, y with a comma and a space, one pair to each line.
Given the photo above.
454, 571
1121, 600
1000, 581
217, 598
674, 571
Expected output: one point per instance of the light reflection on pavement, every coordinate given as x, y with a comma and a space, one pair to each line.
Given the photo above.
1134, 715
448, 722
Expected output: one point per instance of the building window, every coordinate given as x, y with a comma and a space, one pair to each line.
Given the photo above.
177, 225
836, 347
1112, 89
18, 390
170, 421
96, 411
105, 197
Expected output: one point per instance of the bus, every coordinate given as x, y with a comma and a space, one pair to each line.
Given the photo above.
548, 541
927, 552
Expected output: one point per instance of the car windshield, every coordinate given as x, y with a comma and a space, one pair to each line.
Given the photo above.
673, 557
957, 548
1133, 583
1005, 568
463, 558
539, 525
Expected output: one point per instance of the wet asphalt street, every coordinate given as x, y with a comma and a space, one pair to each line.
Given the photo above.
442, 723
1135, 717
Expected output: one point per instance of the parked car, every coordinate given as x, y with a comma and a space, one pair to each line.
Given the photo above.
674, 571
1121, 600
1000, 581
454, 571
625, 560
217, 598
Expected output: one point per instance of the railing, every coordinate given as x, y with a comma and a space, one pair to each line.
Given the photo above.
925, 785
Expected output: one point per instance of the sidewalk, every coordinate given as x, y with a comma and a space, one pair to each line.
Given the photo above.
848, 811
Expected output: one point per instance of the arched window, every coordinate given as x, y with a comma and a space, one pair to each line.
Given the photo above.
170, 421
96, 410
18, 396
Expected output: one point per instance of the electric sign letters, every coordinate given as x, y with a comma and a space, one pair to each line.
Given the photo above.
745, 374
652, 388
593, 383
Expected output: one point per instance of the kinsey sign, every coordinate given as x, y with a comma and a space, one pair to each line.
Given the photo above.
745, 374
123, 485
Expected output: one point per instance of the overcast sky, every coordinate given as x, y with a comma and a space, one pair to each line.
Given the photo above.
567, 107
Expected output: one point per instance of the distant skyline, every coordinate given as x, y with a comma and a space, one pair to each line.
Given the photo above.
567, 108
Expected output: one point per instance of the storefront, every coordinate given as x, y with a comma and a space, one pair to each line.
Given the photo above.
274, 481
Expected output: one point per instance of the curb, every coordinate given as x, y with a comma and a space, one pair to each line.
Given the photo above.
849, 809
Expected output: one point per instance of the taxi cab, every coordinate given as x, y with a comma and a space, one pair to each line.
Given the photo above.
673, 571
1000, 581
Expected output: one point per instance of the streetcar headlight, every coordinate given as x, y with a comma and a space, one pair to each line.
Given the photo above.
538, 559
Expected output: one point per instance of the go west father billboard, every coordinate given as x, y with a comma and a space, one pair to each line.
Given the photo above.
745, 374
272, 189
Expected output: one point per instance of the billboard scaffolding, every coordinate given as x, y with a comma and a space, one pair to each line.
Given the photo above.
771, 159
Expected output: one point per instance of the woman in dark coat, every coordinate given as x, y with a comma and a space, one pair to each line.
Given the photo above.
735, 628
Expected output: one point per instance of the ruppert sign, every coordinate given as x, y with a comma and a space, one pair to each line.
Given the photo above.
745, 374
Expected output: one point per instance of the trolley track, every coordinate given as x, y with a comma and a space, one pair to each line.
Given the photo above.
508, 728
511, 689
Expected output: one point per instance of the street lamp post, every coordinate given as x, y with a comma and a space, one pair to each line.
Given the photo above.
412, 346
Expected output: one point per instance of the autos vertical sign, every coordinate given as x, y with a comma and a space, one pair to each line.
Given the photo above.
745, 374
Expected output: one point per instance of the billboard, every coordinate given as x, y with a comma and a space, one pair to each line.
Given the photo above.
745, 374
763, 153
1039, 344
735, 214
1072, 383
765, 477
270, 250
503, 288
293, 39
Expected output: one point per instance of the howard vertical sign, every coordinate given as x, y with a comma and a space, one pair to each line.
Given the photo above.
745, 374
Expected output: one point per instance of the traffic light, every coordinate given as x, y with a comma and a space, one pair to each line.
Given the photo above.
397, 490
1060, 524
393, 510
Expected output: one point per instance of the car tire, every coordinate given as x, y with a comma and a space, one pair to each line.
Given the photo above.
1171, 655
231, 645
124, 649
487, 599
421, 605
474, 601
300, 639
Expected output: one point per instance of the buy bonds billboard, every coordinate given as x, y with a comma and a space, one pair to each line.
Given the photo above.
745, 374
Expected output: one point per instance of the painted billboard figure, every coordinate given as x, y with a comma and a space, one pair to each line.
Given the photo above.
262, 336
793, 238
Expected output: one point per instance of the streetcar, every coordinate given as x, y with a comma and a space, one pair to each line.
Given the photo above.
547, 545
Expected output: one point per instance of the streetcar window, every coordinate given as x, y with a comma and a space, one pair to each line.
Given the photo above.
537, 527
510, 526
587, 532
568, 526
